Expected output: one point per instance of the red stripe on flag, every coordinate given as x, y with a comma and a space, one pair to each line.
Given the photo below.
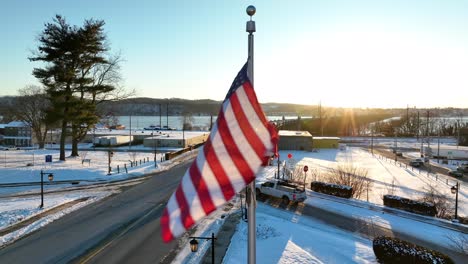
244, 124
165, 230
185, 216
202, 189
231, 147
218, 170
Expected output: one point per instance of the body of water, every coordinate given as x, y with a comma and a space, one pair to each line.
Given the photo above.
202, 122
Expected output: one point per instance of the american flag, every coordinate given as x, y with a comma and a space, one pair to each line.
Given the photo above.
240, 142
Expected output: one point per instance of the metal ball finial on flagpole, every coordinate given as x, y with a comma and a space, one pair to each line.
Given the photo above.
251, 11
250, 196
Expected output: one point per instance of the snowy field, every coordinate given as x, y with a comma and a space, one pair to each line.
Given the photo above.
387, 177
14, 169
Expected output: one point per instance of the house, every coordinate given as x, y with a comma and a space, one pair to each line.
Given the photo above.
294, 140
18, 134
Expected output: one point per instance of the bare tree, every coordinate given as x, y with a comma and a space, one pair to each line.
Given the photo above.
350, 175
297, 175
441, 202
105, 86
31, 106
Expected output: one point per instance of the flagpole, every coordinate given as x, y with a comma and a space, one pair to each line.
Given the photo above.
251, 202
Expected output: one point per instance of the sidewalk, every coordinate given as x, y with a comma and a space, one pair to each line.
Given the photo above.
223, 238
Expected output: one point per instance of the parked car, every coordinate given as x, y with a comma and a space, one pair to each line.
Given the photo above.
416, 162
456, 173
281, 189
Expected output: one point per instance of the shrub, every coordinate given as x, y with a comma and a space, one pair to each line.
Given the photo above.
392, 250
423, 208
342, 191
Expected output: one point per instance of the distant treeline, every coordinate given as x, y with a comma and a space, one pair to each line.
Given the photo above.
349, 124
176, 106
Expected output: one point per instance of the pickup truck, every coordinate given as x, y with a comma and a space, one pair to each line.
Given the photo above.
281, 189
416, 162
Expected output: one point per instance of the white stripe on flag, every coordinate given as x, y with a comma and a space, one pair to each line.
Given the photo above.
253, 118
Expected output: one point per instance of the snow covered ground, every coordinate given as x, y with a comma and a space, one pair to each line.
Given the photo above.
283, 237
14, 209
16, 171
306, 240
290, 237
387, 177
286, 237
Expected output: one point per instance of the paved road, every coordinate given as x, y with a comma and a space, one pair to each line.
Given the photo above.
120, 229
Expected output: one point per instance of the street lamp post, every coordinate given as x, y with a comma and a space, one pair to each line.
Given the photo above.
51, 178
194, 245
110, 154
455, 190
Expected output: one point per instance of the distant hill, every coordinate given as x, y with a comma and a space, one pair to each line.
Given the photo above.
151, 106
177, 106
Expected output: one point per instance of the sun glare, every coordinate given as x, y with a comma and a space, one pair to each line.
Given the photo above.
366, 69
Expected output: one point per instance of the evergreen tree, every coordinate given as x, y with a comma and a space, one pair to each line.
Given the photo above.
72, 56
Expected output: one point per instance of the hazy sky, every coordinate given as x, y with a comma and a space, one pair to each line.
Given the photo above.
342, 53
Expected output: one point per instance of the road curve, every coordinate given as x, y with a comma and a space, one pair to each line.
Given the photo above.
119, 229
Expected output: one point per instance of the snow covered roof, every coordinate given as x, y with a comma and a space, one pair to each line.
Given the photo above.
289, 133
327, 138
2, 125
17, 124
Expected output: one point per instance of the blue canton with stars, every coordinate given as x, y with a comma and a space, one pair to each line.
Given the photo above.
238, 81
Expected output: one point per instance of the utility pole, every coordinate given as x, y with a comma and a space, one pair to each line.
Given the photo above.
427, 130
167, 115
320, 116
438, 147
417, 132
407, 119
130, 135
160, 111
211, 121
417, 136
